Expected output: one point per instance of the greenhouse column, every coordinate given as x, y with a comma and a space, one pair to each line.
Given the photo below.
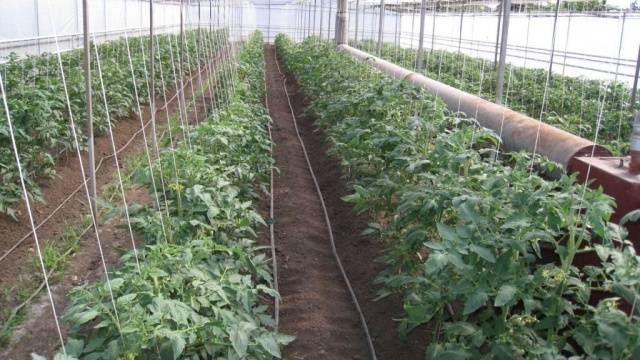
503, 50
553, 41
380, 28
152, 88
355, 37
495, 54
89, 109
321, 16
341, 22
634, 92
419, 56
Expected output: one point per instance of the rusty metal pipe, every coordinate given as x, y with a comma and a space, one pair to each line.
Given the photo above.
518, 131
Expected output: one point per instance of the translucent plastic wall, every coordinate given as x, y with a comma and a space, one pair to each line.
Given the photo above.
31, 26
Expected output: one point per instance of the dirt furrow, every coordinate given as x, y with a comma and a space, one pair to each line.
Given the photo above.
316, 306
359, 253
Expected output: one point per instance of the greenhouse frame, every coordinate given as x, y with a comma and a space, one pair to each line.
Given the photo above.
319, 179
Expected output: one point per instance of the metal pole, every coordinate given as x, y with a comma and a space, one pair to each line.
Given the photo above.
553, 42
321, 17
152, 87
634, 161
634, 91
380, 27
89, 108
419, 55
495, 54
303, 17
503, 50
315, 10
433, 29
336, 29
104, 16
269, 21
37, 18
460, 31
355, 38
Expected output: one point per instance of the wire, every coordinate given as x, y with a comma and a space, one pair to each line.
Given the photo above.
354, 298
113, 147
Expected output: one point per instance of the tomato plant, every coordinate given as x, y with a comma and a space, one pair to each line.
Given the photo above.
573, 103
197, 294
480, 247
38, 107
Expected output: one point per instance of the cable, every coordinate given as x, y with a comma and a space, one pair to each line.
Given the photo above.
354, 298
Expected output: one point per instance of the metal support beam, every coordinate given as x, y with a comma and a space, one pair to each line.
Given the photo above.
346, 36
503, 50
152, 78
634, 163
315, 14
498, 28
89, 109
321, 17
420, 53
634, 91
380, 28
355, 37
518, 131
553, 43
460, 28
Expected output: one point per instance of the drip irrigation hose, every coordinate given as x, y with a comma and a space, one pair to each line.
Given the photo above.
354, 298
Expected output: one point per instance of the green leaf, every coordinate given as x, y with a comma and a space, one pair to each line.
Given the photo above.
474, 302
447, 232
174, 346
435, 262
483, 252
74, 347
632, 216
83, 317
461, 328
269, 343
239, 339
505, 295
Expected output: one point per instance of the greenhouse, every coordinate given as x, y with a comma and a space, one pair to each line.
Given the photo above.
319, 179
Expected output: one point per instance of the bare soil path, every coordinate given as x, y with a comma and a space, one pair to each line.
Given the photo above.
316, 307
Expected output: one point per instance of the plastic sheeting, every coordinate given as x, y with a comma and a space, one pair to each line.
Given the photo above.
30, 26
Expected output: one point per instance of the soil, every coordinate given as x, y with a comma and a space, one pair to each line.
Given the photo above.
38, 334
316, 307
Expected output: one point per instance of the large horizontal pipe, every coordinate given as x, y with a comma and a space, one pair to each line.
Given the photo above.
518, 131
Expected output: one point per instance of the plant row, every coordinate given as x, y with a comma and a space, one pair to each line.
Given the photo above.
39, 108
481, 248
202, 282
571, 103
